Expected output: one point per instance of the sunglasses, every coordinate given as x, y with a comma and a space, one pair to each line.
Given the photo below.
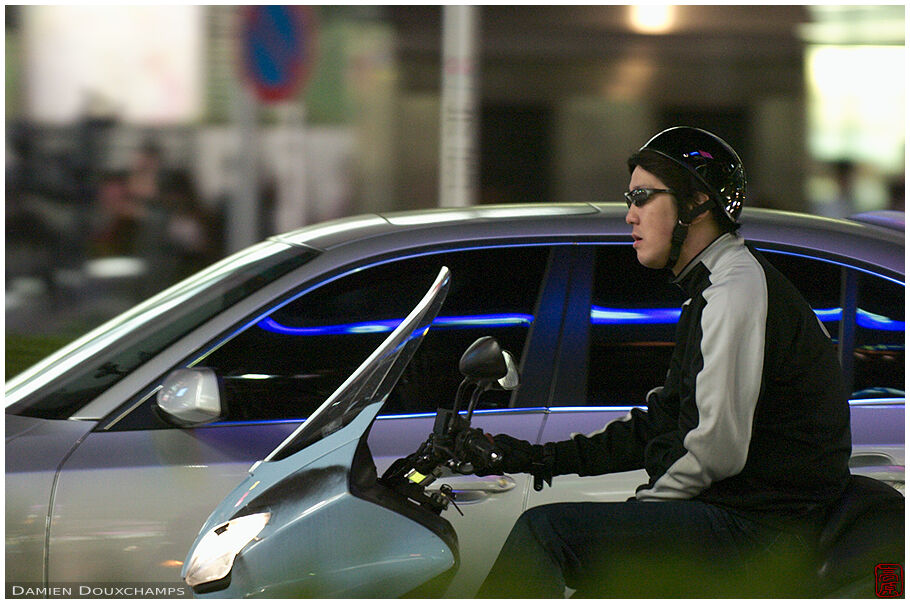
639, 197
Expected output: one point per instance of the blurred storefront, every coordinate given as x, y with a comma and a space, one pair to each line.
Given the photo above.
565, 93
856, 101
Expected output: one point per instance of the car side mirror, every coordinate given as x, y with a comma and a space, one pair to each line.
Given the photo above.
190, 397
485, 362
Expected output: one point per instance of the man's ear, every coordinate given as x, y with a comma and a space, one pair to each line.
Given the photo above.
701, 198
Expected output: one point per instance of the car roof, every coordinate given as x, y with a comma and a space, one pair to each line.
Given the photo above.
868, 244
891, 219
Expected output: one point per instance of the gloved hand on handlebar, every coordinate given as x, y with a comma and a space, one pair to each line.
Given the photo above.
521, 456
477, 448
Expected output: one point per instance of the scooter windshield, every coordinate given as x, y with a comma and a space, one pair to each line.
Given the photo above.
374, 379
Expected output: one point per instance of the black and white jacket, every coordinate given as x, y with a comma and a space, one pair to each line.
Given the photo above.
753, 414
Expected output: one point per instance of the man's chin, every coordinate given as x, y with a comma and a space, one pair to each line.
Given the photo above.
651, 261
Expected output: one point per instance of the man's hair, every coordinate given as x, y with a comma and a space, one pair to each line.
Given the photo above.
686, 186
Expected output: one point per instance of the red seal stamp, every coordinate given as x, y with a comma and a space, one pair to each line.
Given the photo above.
889, 581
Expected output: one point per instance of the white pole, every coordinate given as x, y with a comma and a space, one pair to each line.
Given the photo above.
458, 159
243, 206
292, 204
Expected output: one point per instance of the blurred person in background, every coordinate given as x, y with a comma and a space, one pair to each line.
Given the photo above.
896, 194
843, 203
189, 226
117, 218
128, 207
268, 205
27, 233
152, 244
145, 173
746, 443
28, 253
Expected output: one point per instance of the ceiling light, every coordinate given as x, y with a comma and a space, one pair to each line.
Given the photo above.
652, 18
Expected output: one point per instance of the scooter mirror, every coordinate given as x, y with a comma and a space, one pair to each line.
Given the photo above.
483, 361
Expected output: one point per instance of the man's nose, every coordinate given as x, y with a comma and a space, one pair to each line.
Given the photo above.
631, 218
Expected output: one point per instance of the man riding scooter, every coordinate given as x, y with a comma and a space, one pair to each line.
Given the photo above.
746, 444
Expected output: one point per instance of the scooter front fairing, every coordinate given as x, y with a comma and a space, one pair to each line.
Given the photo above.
311, 519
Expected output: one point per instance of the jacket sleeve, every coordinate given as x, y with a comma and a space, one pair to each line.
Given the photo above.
620, 445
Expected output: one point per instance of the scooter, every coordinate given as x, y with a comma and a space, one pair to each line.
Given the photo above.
314, 519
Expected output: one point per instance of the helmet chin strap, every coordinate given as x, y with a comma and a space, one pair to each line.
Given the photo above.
681, 230
679, 236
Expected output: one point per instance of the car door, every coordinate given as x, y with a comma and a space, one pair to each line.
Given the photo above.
616, 347
632, 314
132, 495
863, 310
868, 322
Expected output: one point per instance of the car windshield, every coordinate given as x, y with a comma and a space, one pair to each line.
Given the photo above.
64, 382
374, 379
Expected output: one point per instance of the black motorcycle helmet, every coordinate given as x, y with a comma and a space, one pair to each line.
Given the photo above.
710, 160
714, 166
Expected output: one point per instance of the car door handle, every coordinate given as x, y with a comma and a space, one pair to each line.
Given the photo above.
892, 475
879, 466
471, 489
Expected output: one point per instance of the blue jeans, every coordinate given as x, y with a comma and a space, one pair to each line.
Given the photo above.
646, 549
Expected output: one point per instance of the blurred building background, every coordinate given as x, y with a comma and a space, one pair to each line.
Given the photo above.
138, 149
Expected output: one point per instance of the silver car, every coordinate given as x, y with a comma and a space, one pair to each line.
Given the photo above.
104, 486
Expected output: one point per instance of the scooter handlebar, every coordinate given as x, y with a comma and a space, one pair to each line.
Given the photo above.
477, 448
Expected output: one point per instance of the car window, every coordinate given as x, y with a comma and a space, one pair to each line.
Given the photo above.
819, 283
875, 316
634, 311
288, 363
71, 378
878, 351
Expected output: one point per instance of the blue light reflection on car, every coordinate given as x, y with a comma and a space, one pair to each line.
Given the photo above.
873, 321
651, 316
635, 316
599, 316
501, 320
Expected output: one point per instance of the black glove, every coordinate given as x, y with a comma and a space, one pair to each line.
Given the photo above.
522, 456
477, 448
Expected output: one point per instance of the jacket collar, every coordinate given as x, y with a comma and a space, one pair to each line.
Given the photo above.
699, 267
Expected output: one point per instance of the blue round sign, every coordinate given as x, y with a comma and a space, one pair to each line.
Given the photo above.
277, 49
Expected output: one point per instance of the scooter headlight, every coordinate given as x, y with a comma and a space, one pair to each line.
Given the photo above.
214, 556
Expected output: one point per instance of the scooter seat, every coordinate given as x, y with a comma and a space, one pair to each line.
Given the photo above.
864, 529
